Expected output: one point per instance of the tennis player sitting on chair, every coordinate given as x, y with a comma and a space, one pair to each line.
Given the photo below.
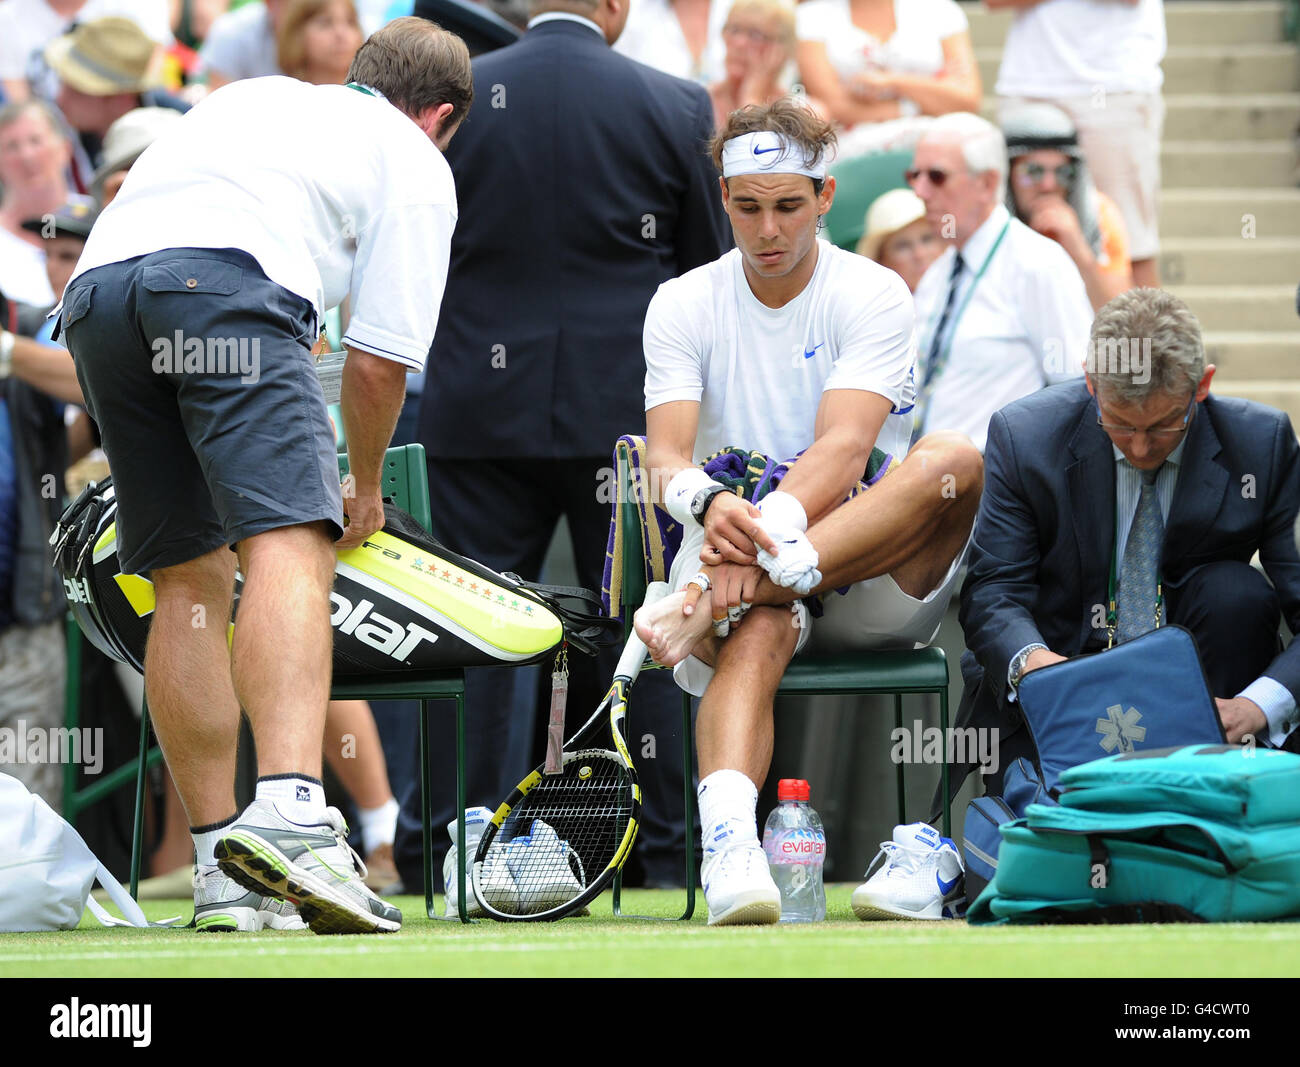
787, 344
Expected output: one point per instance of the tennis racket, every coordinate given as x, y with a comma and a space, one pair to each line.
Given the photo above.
558, 840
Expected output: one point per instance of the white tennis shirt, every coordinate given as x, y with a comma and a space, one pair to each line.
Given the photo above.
758, 373
334, 192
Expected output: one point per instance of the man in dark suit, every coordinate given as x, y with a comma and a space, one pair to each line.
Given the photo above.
1083, 474
583, 183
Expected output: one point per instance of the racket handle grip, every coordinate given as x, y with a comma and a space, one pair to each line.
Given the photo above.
634, 653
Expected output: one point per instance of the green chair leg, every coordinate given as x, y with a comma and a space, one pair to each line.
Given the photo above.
462, 854
137, 830
72, 715
425, 820
947, 801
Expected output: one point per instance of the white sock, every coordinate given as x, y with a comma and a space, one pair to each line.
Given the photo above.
728, 800
205, 840
378, 825
298, 797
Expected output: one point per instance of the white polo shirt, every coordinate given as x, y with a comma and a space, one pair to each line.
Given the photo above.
1025, 325
1078, 47
758, 373
335, 193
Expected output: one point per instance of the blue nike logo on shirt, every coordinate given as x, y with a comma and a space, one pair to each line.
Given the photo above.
945, 887
761, 151
808, 353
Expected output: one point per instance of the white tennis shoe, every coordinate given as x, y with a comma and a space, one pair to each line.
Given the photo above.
922, 877
738, 886
543, 869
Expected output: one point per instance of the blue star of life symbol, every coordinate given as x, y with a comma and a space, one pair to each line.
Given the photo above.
1121, 729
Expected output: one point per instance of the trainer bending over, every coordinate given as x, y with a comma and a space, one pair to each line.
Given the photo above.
234, 234
787, 343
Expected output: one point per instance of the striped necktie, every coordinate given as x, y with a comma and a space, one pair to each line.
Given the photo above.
1136, 599
932, 358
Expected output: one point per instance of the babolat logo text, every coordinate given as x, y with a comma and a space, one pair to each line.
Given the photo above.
373, 629
102, 1020
179, 354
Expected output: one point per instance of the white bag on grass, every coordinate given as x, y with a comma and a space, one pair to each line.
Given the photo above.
47, 870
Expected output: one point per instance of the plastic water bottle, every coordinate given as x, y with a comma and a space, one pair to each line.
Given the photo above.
795, 844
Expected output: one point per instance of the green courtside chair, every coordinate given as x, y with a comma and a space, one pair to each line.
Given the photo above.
405, 482
858, 181
922, 670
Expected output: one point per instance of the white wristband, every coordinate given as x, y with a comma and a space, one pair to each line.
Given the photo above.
681, 491
6, 353
784, 509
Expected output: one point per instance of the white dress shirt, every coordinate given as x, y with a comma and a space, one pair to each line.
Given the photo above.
1024, 324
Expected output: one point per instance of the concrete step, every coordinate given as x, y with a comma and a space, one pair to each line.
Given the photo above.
1238, 213
1229, 260
1242, 307
1191, 22
1240, 117
1251, 356
1281, 393
1256, 68
1235, 164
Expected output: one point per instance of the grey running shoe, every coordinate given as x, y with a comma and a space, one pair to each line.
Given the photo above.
311, 866
222, 905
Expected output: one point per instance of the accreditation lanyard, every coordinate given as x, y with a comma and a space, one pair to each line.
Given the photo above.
1112, 612
941, 361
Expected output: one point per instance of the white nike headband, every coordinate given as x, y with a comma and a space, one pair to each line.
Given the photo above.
767, 152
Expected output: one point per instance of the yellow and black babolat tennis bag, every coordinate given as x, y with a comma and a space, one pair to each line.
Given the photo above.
400, 602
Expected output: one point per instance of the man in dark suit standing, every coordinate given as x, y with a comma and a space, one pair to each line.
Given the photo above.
1140, 469
583, 183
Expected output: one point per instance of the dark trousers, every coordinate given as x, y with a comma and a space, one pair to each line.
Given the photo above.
1233, 614
503, 513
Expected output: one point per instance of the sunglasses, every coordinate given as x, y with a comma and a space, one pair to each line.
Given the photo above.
936, 177
1034, 173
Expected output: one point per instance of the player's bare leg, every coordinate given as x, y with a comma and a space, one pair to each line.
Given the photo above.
187, 678
282, 648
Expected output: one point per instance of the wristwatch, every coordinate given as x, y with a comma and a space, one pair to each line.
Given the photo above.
1017, 669
701, 501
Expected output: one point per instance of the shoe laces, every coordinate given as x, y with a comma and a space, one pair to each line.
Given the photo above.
906, 860
335, 821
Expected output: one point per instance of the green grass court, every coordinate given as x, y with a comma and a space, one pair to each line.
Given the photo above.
603, 946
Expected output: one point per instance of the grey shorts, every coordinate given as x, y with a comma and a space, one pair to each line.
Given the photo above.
197, 369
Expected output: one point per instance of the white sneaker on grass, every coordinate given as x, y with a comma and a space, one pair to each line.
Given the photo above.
739, 888
221, 905
922, 877
310, 865
542, 868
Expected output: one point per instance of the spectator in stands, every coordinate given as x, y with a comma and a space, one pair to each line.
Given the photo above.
679, 37
242, 43
191, 20
35, 381
34, 154
317, 40
871, 61
1099, 61
1004, 311
537, 366
105, 69
718, 375
126, 139
1051, 191
1076, 472
27, 26
759, 35
899, 236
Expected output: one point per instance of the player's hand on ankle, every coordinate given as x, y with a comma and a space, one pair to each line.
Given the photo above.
732, 594
732, 531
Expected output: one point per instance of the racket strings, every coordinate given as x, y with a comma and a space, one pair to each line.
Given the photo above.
560, 837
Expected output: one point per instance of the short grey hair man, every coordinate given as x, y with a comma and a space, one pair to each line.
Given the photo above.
1145, 342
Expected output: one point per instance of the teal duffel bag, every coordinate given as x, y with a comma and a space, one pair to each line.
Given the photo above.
1200, 833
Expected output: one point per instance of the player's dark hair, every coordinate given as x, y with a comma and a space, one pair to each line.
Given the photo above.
788, 117
417, 64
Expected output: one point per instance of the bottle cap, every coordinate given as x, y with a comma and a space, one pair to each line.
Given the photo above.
792, 789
